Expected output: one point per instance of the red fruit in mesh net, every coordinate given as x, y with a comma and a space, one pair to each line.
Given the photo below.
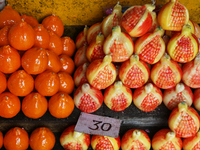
101, 73
87, 98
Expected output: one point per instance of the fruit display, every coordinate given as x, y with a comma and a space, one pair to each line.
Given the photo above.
73, 140
138, 60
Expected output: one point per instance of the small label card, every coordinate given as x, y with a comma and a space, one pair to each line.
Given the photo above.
98, 125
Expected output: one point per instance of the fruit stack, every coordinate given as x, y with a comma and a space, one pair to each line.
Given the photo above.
144, 57
35, 73
139, 55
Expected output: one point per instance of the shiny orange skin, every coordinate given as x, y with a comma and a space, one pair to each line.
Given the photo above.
35, 60
30, 20
53, 61
42, 139
54, 23
20, 83
67, 64
3, 82
9, 59
55, 43
16, 139
1, 139
4, 36
21, 36
69, 46
9, 105
66, 82
41, 36
9, 16
61, 105
47, 83
34, 105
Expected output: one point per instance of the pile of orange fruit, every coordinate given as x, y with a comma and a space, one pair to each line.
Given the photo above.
40, 138
35, 63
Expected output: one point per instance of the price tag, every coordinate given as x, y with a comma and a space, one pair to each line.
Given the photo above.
98, 125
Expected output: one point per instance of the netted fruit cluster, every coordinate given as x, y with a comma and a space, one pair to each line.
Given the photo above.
35, 64
143, 57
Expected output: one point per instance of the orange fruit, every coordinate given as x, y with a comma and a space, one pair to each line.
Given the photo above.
16, 139
53, 61
42, 139
20, 83
67, 64
54, 23
69, 46
4, 36
35, 60
47, 83
34, 105
3, 82
30, 20
1, 139
55, 43
9, 105
61, 105
21, 36
66, 82
9, 16
9, 59
41, 36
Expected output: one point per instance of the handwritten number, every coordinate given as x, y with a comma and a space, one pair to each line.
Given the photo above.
96, 124
108, 126
104, 126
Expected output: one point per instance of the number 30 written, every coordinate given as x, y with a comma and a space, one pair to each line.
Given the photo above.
99, 125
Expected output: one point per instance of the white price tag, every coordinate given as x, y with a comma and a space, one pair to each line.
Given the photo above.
98, 125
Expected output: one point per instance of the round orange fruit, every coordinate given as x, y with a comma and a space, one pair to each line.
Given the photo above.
16, 139
20, 83
66, 82
61, 105
47, 83
21, 36
42, 139
9, 105
34, 105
